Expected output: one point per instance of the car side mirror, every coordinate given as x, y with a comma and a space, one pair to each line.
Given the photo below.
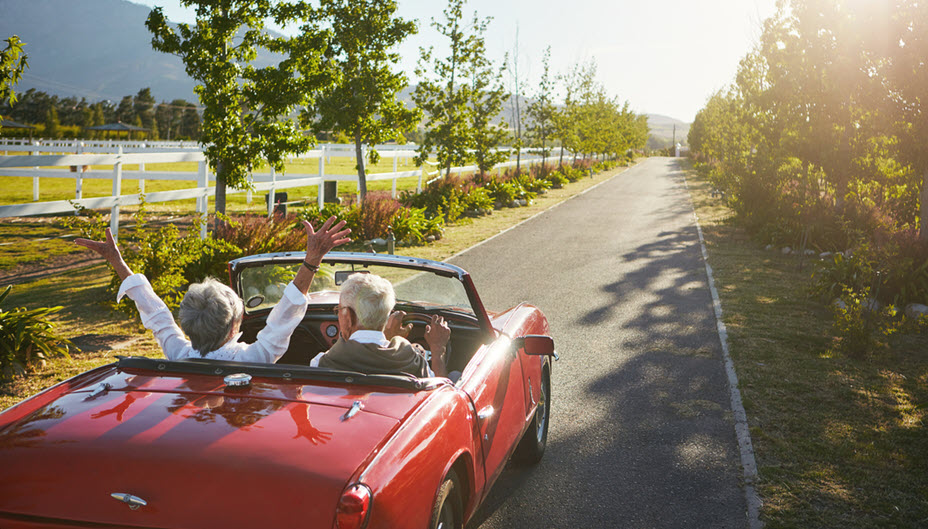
536, 344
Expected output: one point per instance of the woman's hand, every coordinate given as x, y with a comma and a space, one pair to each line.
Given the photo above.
321, 242
109, 251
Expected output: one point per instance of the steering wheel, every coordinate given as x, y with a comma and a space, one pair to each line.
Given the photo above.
415, 317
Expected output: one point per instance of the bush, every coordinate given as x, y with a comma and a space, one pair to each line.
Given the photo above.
861, 325
375, 216
255, 234
27, 336
443, 197
477, 199
317, 217
410, 225
841, 274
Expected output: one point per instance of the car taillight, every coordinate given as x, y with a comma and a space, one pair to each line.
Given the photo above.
353, 507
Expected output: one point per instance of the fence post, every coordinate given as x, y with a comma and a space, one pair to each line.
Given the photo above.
79, 181
142, 177
270, 194
117, 189
419, 184
35, 179
320, 195
251, 180
203, 200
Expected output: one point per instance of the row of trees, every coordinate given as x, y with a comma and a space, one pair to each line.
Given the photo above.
829, 106
824, 131
337, 76
177, 119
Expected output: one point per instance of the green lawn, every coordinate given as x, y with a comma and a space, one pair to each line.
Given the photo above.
18, 190
840, 442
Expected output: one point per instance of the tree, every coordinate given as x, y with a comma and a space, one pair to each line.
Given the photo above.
97, 119
125, 112
362, 103
12, 63
190, 122
486, 93
542, 111
517, 104
441, 94
143, 106
164, 119
908, 76
247, 110
52, 125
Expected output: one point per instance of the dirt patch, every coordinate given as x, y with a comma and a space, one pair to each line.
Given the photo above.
24, 272
91, 343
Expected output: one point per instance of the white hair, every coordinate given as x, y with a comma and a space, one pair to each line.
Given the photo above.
208, 313
371, 297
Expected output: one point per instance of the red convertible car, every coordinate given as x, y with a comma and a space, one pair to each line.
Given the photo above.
152, 443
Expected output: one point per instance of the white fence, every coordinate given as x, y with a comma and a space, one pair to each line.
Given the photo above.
101, 153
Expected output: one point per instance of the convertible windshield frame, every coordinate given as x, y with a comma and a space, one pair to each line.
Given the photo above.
237, 266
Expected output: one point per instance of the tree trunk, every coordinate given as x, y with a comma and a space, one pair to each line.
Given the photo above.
220, 188
362, 176
923, 208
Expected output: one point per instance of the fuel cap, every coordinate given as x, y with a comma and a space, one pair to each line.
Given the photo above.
237, 380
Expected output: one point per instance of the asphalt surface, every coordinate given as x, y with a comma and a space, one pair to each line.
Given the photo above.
641, 434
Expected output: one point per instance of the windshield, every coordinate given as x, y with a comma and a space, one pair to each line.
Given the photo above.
262, 286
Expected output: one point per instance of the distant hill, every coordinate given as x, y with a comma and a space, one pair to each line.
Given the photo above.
100, 49
662, 131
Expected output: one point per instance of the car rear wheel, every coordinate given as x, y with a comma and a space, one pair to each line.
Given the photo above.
532, 446
448, 511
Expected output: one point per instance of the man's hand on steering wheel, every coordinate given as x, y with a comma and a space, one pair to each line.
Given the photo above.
395, 325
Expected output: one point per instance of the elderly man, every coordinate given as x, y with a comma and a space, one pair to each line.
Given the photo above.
211, 313
365, 321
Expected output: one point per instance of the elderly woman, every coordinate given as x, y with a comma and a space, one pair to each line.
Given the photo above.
372, 339
211, 313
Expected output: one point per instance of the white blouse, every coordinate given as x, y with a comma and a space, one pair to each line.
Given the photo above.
271, 344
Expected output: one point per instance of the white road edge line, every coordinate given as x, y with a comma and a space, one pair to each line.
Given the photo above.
742, 432
585, 191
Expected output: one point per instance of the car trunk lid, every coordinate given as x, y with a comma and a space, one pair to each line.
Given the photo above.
198, 453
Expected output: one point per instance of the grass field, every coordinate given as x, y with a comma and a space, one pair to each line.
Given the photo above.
840, 442
104, 333
18, 190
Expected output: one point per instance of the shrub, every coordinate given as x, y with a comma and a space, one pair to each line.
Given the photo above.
861, 325
317, 217
477, 199
410, 225
254, 234
27, 336
375, 216
501, 192
89, 224
443, 197
841, 274
557, 179
531, 184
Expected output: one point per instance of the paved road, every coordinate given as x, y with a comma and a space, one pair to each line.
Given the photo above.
641, 433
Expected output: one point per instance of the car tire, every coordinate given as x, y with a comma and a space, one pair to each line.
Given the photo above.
532, 446
448, 511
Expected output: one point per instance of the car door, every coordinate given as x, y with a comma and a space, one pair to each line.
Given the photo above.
494, 383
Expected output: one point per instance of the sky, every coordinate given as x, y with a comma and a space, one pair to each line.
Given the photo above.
662, 56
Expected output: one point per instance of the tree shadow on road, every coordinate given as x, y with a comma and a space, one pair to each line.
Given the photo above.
650, 441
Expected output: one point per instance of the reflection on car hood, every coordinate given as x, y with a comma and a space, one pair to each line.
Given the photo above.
195, 450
